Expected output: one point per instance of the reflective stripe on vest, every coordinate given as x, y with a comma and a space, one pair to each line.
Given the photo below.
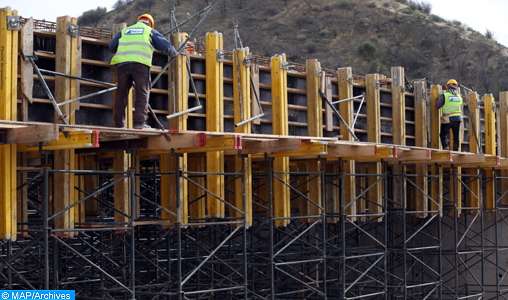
134, 45
452, 105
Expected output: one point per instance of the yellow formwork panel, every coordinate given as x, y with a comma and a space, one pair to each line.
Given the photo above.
281, 200
197, 204
8, 111
121, 162
399, 127
215, 121
241, 91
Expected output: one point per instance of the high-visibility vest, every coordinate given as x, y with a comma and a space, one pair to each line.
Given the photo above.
452, 105
134, 45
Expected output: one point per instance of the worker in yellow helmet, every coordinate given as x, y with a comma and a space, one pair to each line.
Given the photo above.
133, 50
451, 102
191, 48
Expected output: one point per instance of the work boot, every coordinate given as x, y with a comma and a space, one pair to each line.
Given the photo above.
446, 148
141, 126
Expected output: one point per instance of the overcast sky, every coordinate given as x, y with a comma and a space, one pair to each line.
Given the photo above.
479, 15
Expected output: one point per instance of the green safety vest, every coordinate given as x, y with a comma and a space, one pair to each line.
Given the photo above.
134, 45
452, 105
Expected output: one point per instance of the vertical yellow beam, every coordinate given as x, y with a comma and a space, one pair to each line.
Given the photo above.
435, 124
65, 62
374, 136
197, 207
214, 121
326, 87
314, 128
503, 102
121, 162
79, 182
346, 110
22, 194
168, 163
91, 182
281, 195
243, 164
399, 127
421, 141
474, 127
490, 148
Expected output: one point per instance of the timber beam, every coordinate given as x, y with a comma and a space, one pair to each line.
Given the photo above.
17, 134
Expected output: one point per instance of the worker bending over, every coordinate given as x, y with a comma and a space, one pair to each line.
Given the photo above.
451, 102
133, 48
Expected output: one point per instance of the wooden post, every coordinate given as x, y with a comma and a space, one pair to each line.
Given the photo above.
503, 102
243, 164
281, 195
375, 194
474, 126
315, 129
490, 148
435, 143
215, 122
170, 163
421, 200
26, 68
399, 128
346, 110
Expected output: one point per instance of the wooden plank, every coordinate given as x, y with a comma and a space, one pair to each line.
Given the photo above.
26, 68
254, 71
374, 136
503, 112
281, 195
399, 107
215, 122
490, 148
435, 118
25, 134
326, 87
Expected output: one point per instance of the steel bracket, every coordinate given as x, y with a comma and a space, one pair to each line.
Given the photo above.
378, 84
13, 23
283, 65
72, 29
318, 71
220, 55
246, 61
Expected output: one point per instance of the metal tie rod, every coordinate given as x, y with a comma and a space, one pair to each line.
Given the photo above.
348, 99
338, 115
190, 18
262, 114
88, 96
61, 117
182, 46
195, 94
76, 77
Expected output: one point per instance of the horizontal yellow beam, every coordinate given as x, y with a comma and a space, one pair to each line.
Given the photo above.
441, 156
76, 139
216, 143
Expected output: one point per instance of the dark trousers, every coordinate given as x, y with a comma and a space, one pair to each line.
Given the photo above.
128, 73
445, 128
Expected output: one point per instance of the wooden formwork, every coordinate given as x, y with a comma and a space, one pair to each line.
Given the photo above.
298, 129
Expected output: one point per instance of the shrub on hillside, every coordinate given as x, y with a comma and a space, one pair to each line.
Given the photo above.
325, 32
489, 34
436, 18
367, 50
92, 16
345, 4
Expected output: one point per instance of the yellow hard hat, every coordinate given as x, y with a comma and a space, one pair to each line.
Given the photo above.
450, 82
186, 35
147, 16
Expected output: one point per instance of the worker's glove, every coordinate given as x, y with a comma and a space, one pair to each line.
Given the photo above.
172, 53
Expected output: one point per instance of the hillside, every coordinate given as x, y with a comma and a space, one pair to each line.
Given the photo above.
369, 36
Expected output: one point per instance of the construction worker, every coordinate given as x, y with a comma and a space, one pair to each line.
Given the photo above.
191, 48
133, 48
451, 102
